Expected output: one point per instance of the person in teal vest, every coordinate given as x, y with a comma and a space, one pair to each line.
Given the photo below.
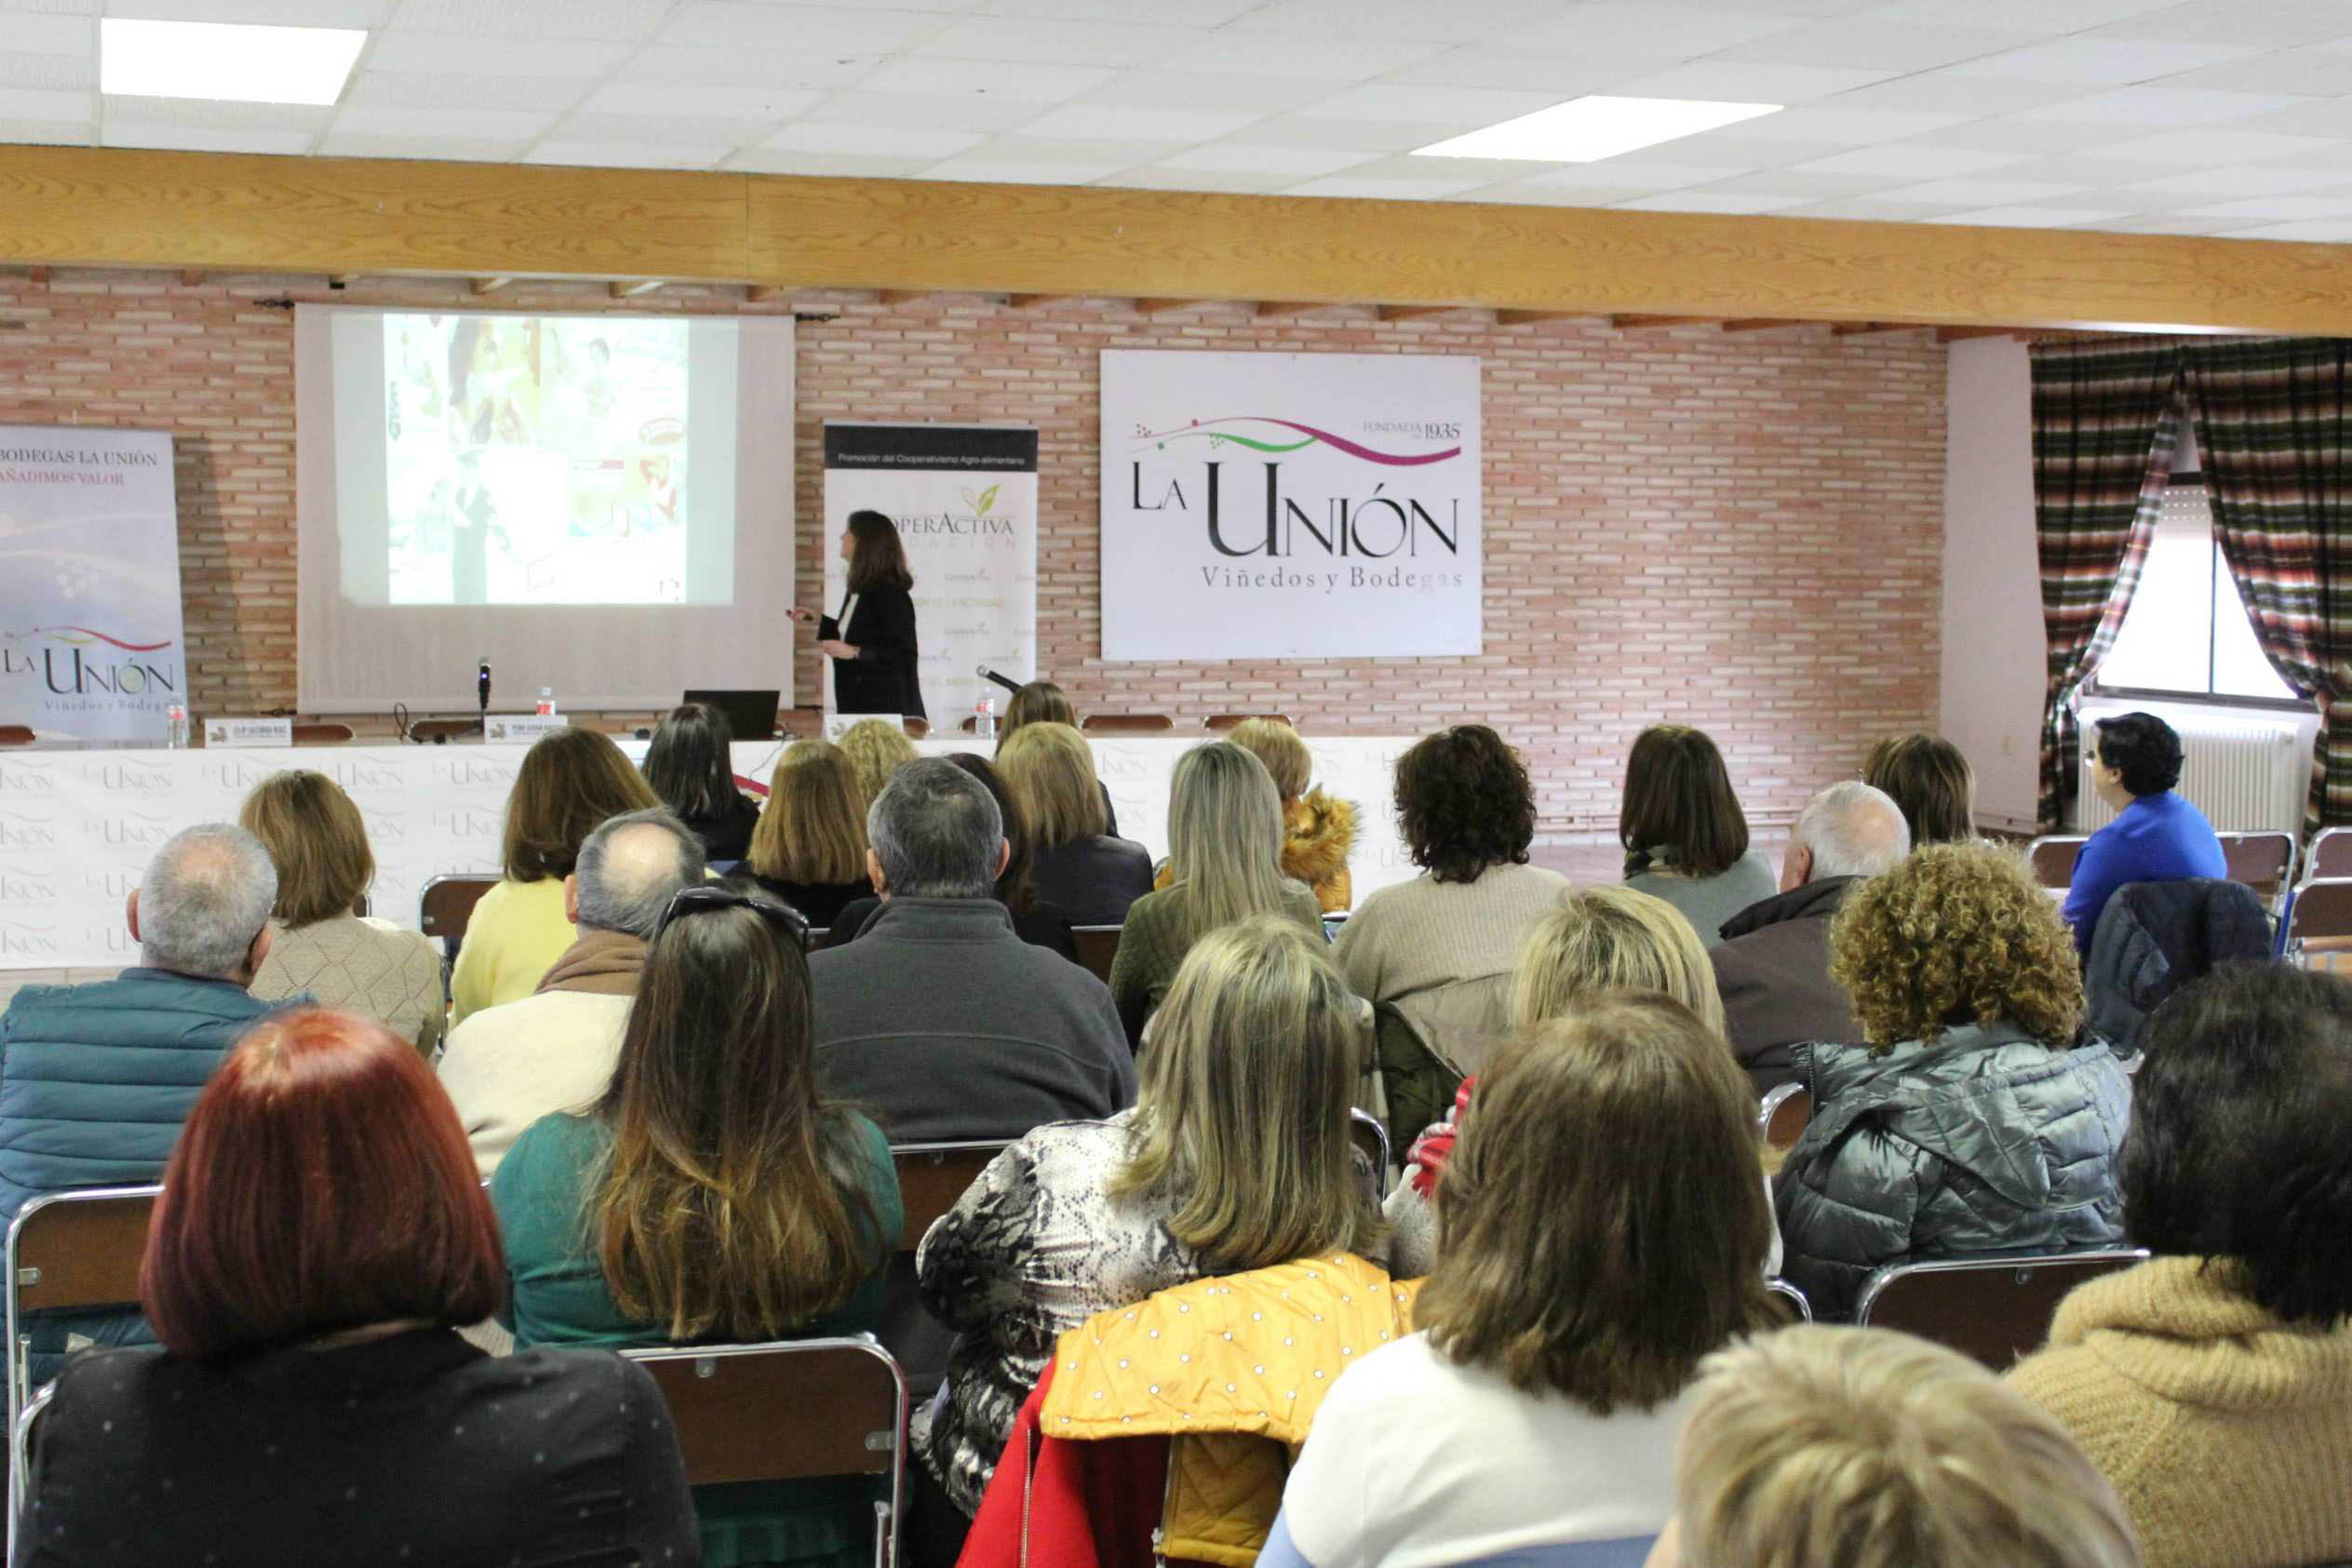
710, 1196
95, 1080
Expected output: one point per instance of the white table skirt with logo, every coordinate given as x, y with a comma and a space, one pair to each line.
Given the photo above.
76, 827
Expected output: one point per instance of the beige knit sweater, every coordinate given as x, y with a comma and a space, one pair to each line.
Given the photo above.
2227, 1433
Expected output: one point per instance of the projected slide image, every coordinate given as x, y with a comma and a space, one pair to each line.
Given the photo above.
536, 461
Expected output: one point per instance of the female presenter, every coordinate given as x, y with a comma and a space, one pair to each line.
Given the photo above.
871, 641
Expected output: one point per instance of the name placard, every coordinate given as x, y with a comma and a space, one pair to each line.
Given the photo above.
840, 724
522, 729
248, 732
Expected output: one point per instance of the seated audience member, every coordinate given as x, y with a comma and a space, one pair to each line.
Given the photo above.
1041, 701
1685, 838
321, 1239
95, 1080
1773, 962
1082, 875
1225, 838
1533, 1416
1931, 781
506, 1066
810, 846
690, 766
1319, 832
876, 748
939, 1020
1236, 1157
1600, 939
318, 947
2213, 1383
1433, 956
1015, 886
1970, 1122
569, 782
711, 1196
1869, 1449
2157, 836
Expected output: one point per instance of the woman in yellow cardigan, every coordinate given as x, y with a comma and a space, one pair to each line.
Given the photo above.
2213, 1383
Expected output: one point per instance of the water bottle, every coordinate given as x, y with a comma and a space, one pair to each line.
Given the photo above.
984, 718
175, 727
546, 701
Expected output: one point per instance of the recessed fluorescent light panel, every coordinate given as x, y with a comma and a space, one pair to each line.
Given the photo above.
224, 61
1585, 131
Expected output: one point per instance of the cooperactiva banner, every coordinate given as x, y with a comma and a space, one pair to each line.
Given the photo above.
964, 498
1281, 505
90, 641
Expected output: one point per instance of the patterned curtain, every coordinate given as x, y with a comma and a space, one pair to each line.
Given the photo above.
2104, 423
2274, 426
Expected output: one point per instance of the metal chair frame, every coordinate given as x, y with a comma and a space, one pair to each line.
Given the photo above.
20, 1276
2021, 1265
1775, 1100
2034, 857
1790, 1292
21, 1462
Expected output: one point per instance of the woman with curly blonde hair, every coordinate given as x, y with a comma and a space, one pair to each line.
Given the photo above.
1971, 1123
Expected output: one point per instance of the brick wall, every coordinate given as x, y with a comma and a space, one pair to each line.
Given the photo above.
1742, 531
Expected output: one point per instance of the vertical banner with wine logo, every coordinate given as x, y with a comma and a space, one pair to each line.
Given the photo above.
90, 641
964, 498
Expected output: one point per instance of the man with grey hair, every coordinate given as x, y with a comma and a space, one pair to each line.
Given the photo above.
939, 1021
1773, 964
95, 1080
506, 1066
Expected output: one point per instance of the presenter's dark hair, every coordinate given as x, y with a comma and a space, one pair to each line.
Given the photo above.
570, 781
1679, 800
2237, 1149
1016, 887
880, 560
1465, 802
334, 1129
2144, 749
688, 764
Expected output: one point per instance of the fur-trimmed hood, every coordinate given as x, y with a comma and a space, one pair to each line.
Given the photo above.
1319, 833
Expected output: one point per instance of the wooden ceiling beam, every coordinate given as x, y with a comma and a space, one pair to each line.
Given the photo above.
1529, 317
1860, 328
1290, 307
37, 275
1761, 324
1637, 323
1958, 334
489, 285
902, 296
1027, 302
1155, 306
192, 277
1411, 312
631, 290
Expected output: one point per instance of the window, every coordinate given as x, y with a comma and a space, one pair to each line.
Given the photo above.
2187, 632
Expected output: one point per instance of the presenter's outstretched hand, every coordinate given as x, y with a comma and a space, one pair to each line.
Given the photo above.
836, 649
803, 616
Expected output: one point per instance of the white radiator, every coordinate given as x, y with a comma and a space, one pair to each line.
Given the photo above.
2246, 775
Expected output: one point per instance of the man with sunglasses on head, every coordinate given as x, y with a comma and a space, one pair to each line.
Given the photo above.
506, 1066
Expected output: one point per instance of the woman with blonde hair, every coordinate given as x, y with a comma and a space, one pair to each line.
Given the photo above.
1235, 1156
1600, 939
322, 948
876, 748
1604, 1233
1319, 832
569, 783
808, 846
1225, 837
1081, 872
1971, 1123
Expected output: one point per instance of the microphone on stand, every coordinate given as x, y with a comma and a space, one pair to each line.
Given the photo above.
482, 683
986, 674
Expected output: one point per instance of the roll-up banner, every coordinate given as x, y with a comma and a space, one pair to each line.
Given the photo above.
91, 640
964, 498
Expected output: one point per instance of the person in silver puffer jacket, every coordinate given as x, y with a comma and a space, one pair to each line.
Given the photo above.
1973, 1121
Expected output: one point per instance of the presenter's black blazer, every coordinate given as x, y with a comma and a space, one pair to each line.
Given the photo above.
882, 678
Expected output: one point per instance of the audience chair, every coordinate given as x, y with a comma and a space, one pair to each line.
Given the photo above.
931, 1177
16, 735
2318, 916
1126, 723
2330, 857
743, 1412
321, 734
1783, 1117
2052, 859
1373, 1139
916, 726
1223, 723
70, 1252
445, 906
2264, 862
441, 731
1794, 1298
1996, 1308
20, 1461
1097, 945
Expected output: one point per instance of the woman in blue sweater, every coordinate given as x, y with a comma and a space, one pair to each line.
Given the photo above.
2157, 836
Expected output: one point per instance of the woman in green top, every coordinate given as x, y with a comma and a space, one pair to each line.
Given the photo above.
710, 1197
1225, 847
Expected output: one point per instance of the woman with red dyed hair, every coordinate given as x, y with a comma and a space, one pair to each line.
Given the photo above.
320, 1238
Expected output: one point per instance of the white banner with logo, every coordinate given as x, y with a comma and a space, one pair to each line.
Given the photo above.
1289, 505
90, 641
964, 498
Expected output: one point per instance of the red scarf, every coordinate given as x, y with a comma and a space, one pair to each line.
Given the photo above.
1426, 1161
